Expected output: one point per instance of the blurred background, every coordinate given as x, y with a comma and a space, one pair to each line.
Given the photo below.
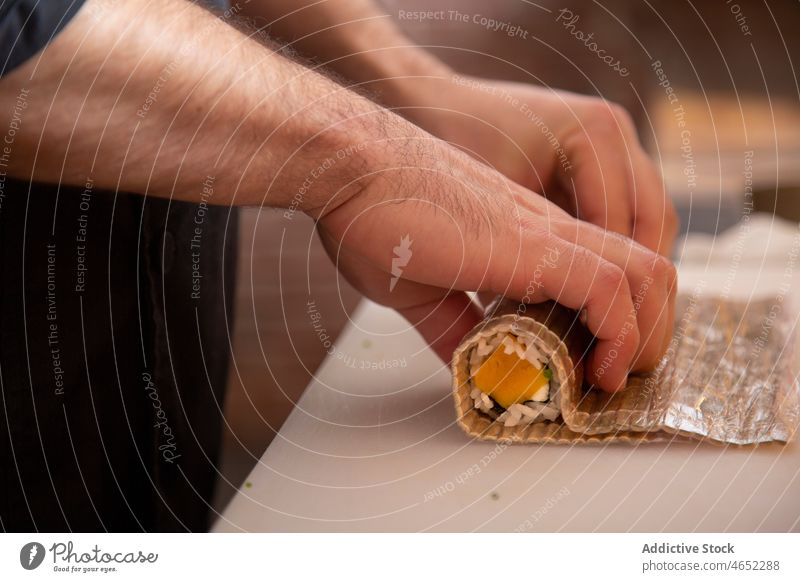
731, 66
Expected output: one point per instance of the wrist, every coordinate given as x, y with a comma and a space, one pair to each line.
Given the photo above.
388, 159
344, 159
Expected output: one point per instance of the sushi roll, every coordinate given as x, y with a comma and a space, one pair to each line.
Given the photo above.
516, 365
518, 378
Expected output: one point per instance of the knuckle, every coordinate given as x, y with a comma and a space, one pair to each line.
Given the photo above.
622, 115
583, 260
603, 118
609, 278
616, 240
568, 230
548, 234
609, 116
527, 223
663, 269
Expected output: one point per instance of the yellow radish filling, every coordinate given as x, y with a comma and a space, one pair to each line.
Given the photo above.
511, 380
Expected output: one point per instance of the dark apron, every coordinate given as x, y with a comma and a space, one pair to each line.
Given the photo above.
113, 358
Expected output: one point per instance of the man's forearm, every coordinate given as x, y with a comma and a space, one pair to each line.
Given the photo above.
156, 97
357, 39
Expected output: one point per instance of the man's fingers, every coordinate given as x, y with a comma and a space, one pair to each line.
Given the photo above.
655, 221
600, 187
580, 279
673, 292
600, 180
649, 277
616, 185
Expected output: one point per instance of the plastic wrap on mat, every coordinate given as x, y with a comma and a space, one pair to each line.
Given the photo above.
729, 375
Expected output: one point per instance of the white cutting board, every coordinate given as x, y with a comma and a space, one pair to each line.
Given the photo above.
379, 450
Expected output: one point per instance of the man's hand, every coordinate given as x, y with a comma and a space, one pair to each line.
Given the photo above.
581, 152
461, 226
275, 133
